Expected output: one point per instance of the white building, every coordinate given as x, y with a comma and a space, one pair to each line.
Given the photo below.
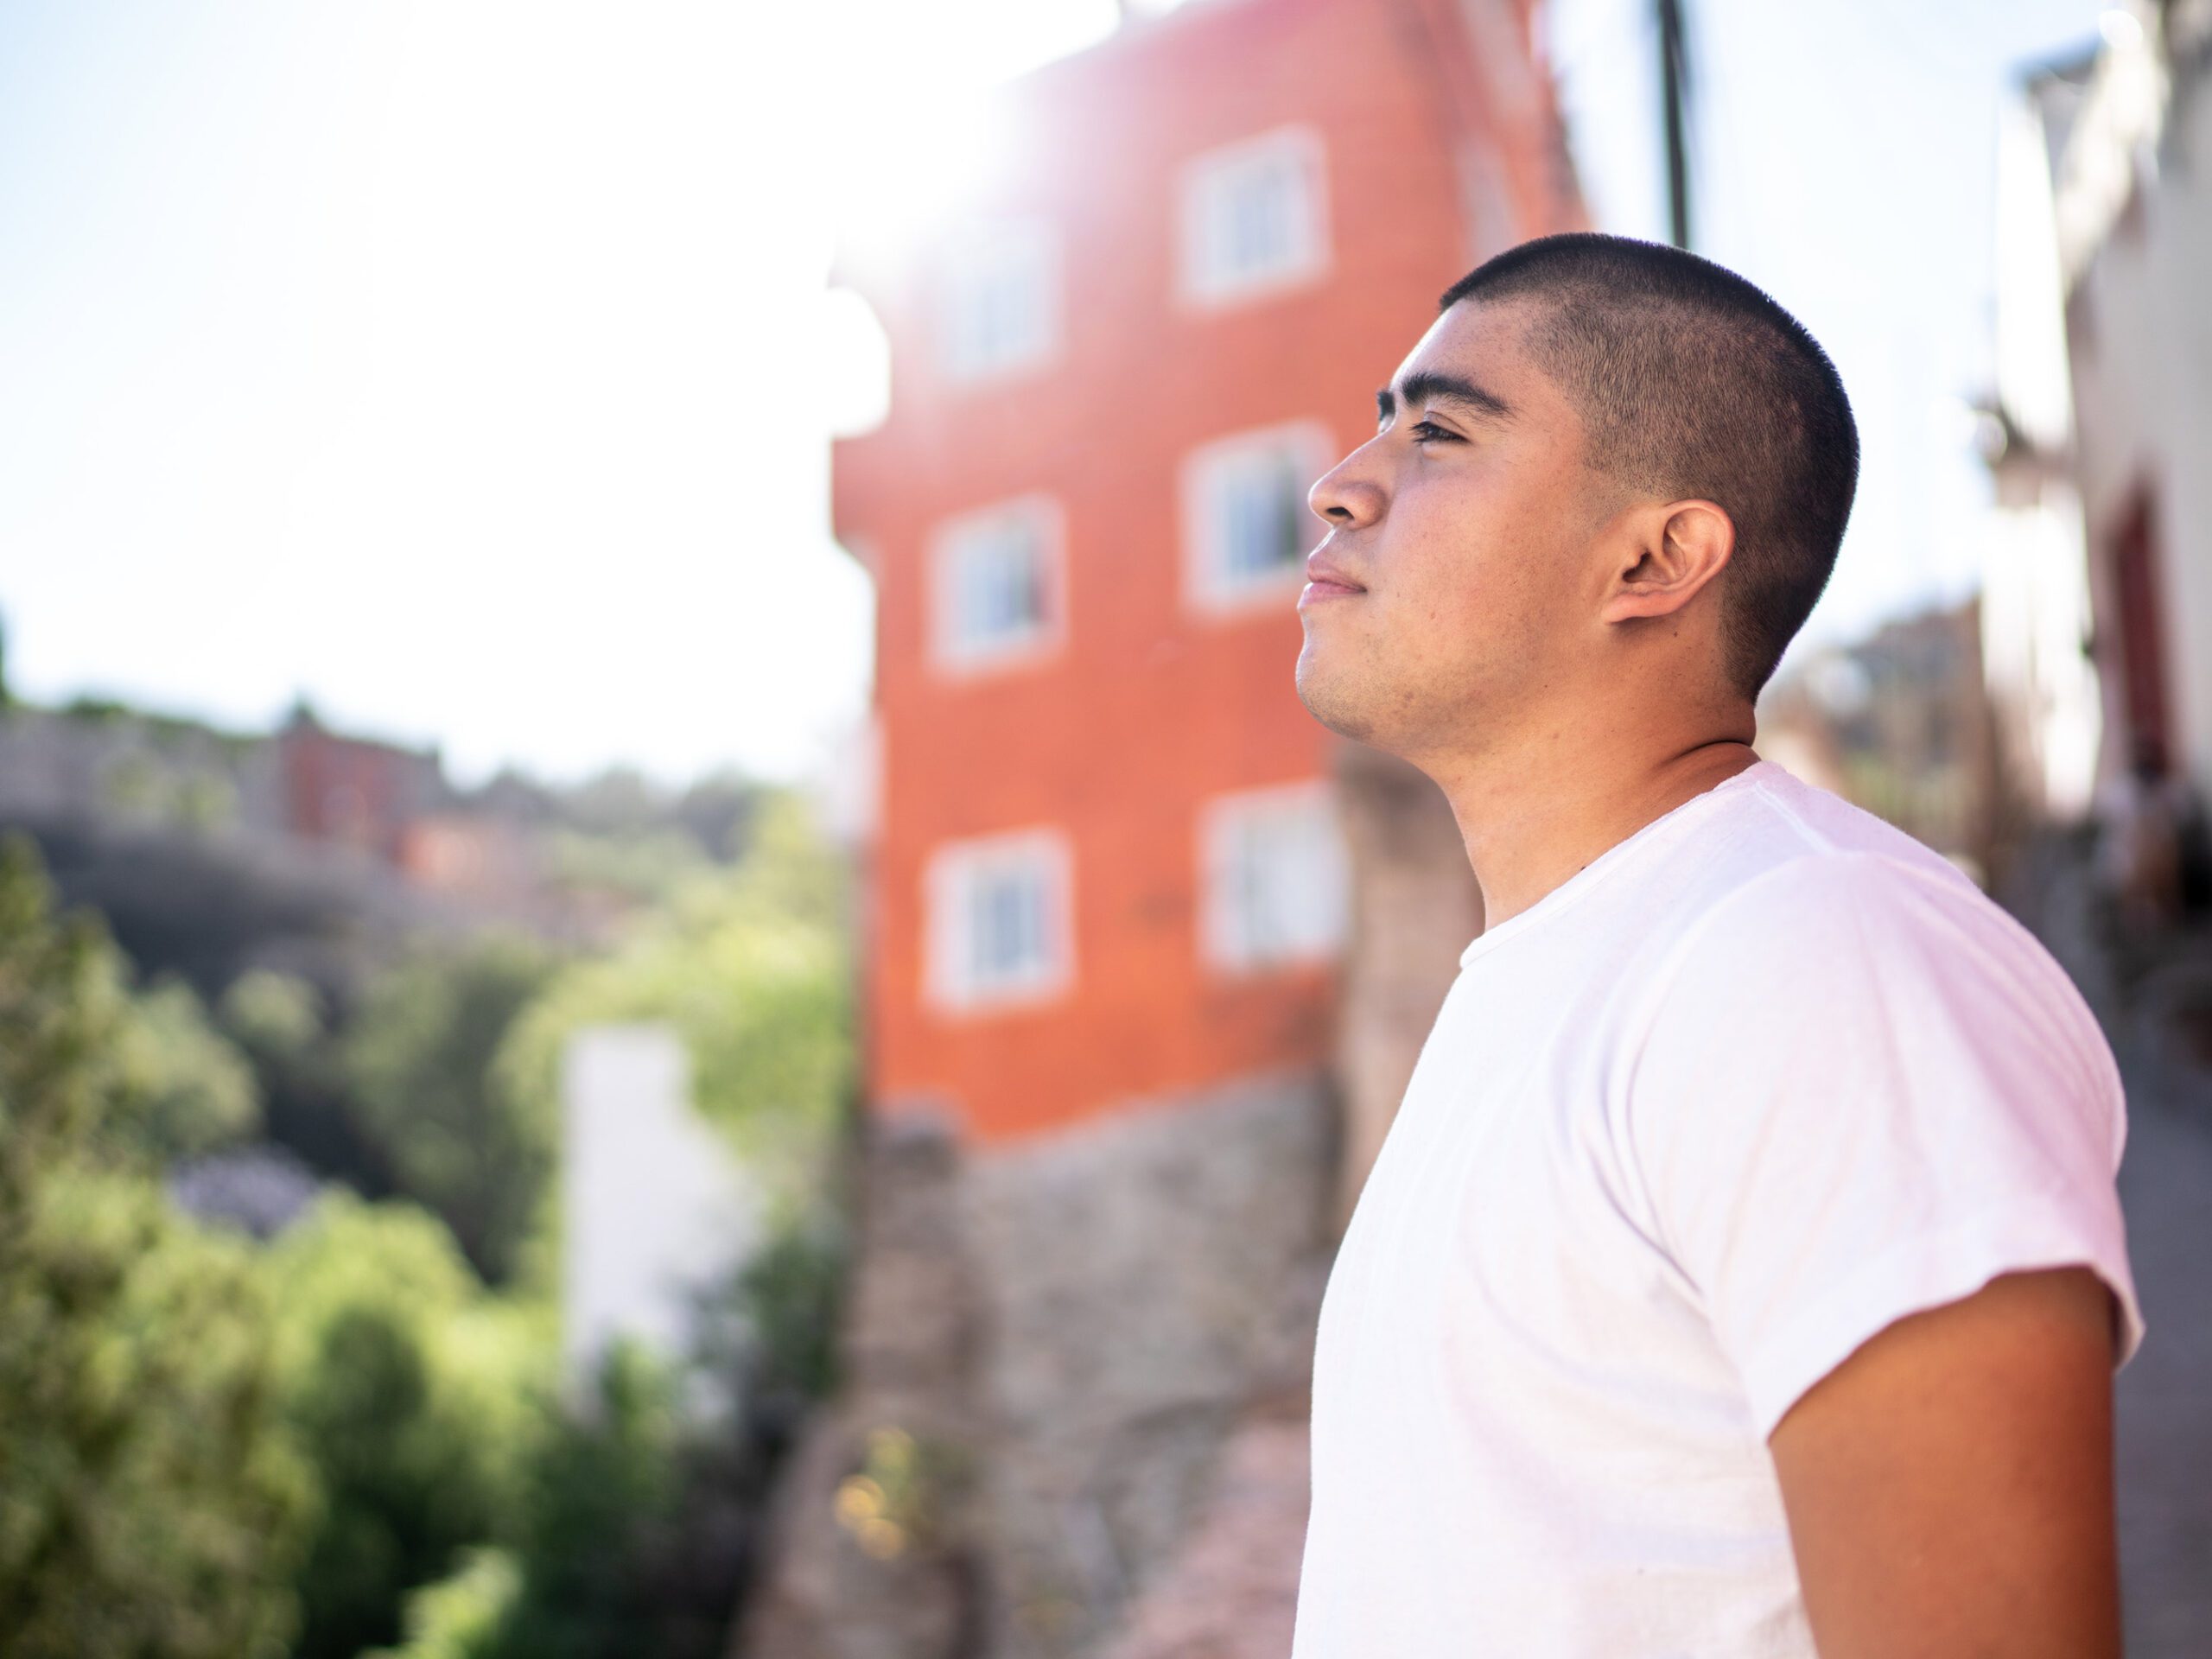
655, 1210
2098, 581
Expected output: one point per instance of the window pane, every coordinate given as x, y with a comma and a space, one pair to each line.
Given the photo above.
1016, 587
1000, 936
1252, 215
1244, 528
1263, 512
987, 579
1276, 875
1006, 308
1263, 881
997, 584
1291, 516
1259, 215
1007, 919
1277, 880
998, 303
995, 928
982, 932
1035, 955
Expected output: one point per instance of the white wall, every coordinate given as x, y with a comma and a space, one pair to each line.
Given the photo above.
655, 1207
2142, 371
2034, 588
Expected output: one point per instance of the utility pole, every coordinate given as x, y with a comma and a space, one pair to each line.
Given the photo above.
1673, 91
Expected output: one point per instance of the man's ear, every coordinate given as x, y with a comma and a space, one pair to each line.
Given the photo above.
1678, 549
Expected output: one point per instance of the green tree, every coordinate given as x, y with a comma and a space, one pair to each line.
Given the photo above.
279, 1021
601, 1483
150, 1506
272, 1013
463, 1617
419, 1059
195, 1091
413, 1393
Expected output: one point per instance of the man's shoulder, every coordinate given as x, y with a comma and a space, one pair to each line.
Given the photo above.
1822, 862
1815, 898
1825, 913
1860, 968
1848, 924
1773, 874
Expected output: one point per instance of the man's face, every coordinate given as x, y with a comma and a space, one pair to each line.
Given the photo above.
1465, 529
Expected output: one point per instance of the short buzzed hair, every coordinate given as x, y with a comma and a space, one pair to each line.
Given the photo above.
1692, 382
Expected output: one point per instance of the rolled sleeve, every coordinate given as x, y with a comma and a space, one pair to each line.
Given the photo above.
1863, 1091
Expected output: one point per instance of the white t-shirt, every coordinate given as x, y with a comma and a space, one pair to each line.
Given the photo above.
1762, 1079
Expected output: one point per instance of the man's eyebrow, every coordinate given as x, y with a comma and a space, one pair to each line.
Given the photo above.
1432, 386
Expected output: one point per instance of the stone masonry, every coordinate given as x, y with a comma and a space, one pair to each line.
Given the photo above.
1064, 1334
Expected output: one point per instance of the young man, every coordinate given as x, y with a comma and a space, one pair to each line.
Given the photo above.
1742, 1276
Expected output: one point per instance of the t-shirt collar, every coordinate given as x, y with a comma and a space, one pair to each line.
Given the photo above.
1565, 895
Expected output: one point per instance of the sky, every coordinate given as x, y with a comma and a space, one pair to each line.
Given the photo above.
467, 367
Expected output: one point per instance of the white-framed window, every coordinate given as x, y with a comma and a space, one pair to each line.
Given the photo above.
997, 917
1274, 879
998, 300
1246, 526
1255, 217
997, 585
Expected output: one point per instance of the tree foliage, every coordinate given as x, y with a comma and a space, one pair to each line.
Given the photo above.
344, 1438
631, 1536
419, 1061
413, 1393
196, 1092
283, 1023
465, 1616
150, 1507
270, 1012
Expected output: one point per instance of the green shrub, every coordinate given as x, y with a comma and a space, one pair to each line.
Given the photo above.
412, 1393
150, 1505
461, 1617
418, 1063
195, 1092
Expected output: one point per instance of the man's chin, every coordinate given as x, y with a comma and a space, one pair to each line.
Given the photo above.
1328, 704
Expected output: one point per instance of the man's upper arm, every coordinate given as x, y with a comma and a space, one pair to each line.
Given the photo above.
1949, 1486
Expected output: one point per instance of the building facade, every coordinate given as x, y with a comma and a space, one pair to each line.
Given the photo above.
2097, 588
1112, 883
1106, 868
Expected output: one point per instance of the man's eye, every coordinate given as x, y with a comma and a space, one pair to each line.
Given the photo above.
1428, 431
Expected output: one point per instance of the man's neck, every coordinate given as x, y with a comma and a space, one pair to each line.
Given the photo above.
1531, 820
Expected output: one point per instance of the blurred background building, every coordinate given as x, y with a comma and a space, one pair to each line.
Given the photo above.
2117, 151
2097, 589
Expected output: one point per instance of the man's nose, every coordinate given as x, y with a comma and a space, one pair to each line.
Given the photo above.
1347, 496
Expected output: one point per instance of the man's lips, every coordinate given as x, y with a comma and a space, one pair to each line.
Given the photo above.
1323, 580
1321, 588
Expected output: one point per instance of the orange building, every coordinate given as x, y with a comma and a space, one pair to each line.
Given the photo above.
1107, 869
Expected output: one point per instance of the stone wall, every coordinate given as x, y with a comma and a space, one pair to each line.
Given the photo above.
1232, 1591
911, 1368
1059, 1336
1144, 1277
